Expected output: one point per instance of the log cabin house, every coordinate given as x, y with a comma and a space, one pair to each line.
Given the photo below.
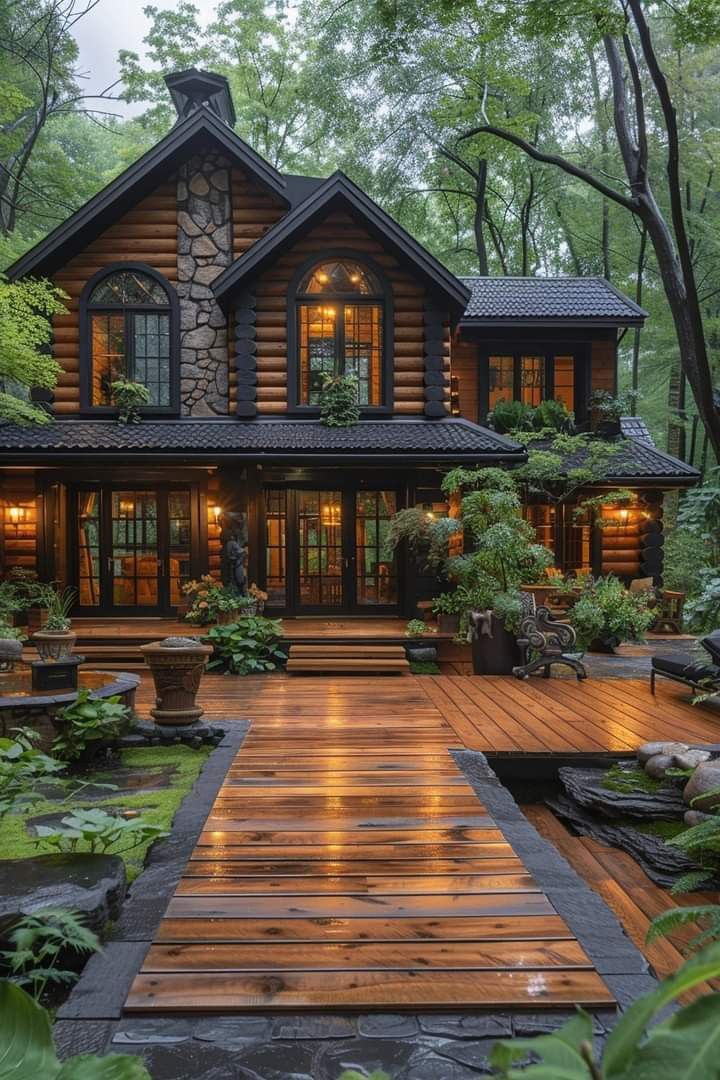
228, 289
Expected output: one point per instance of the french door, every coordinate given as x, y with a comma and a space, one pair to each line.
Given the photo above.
325, 550
132, 548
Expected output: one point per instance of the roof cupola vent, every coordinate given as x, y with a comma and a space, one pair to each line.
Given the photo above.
192, 89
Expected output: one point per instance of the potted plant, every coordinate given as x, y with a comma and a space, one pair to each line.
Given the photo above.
609, 409
259, 597
128, 398
419, 651
212, 602
177, 665
448, 607
55, 639
606, 614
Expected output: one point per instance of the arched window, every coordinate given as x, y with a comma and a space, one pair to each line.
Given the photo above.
130, 324
340, 327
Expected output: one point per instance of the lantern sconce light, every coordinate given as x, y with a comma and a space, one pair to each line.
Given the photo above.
15, 515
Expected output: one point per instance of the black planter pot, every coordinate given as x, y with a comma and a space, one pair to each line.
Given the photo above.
608, 429
496, 653
421, 654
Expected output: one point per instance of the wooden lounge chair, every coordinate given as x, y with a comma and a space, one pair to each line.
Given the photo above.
698, 675
545, 641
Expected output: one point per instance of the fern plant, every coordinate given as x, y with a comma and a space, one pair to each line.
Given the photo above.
706, 916
39, 942
701, 843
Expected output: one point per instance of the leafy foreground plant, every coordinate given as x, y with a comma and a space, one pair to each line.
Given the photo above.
39, 941
247, 646
22, 768
684, 1047
89, 720
97, 831
27, 1051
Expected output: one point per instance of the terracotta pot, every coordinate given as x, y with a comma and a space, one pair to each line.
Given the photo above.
54, 644
176, 671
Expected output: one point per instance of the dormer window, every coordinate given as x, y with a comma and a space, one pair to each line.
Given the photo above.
532, 375
130, 324
341, 322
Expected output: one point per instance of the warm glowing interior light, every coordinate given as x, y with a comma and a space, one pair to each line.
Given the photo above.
216, 512
322, 276
624, 515
15, 514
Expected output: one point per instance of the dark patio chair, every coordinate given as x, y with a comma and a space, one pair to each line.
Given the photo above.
698, 675
545, 641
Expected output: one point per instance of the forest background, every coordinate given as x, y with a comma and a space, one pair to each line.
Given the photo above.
393, 92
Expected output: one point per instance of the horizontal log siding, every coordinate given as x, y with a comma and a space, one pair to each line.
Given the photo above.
18, 543
339, 230
148, 234
253, 211
465, 368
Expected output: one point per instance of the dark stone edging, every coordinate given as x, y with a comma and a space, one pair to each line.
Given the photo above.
100, 993
620, 963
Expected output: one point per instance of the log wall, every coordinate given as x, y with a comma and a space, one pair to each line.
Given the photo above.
18, 540
147, 234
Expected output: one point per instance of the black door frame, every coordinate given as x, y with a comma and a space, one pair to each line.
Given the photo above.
348, 492
162, 488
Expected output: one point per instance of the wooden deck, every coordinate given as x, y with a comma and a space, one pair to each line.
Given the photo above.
347, 864
494, 715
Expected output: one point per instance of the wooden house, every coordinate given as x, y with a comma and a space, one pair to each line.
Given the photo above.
228, 289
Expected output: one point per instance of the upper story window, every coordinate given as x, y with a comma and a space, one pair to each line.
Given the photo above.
130, 324
532, 376
341, 329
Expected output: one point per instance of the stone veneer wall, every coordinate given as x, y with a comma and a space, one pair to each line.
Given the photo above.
204, 249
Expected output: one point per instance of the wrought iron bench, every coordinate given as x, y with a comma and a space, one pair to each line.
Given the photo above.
545, 641
698, 675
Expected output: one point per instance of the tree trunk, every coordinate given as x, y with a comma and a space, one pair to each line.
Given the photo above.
479, 217
638, 300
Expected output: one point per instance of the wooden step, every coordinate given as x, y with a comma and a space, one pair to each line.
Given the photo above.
386, 652
337, 665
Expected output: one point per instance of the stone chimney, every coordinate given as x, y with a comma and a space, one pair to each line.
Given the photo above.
204, 248
192, 89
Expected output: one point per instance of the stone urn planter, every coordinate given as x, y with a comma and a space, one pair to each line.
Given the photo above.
177, 665
54, 644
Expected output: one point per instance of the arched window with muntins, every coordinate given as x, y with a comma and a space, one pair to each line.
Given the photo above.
130, 323
340, 329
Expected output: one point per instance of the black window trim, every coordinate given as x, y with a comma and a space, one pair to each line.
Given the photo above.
580, 350
172, 308
295, 299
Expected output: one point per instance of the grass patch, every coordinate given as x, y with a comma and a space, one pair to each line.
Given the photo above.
629, 780
158, 807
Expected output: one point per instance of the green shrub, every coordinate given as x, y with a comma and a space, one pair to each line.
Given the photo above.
27, 1051
416, 628
86, 721
702, 612
247, 646
607, 612
128, 398
508, 416
97, 831
210, 599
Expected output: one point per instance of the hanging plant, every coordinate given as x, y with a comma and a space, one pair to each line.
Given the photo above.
128, 398
339, 401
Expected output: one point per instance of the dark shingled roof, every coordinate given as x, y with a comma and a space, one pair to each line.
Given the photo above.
635, 459
500, 300
288, 438
634, 427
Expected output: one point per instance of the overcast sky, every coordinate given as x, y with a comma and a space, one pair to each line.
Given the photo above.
115, 25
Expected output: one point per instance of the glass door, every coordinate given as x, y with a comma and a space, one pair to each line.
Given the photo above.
132, 549
325, 551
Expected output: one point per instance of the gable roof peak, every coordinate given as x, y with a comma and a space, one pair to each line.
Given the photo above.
192, 89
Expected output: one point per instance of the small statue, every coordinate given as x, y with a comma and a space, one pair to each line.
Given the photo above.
234, 558
10, 653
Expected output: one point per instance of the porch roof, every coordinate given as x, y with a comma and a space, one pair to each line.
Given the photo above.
415, 439
540, 301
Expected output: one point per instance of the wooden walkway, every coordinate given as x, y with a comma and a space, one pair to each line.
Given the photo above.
347, 864
495, 715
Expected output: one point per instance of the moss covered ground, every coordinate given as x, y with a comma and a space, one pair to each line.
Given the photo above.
158, 807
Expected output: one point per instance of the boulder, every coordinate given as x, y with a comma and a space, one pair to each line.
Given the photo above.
690, 759
585, 787
658, 765
651, 749
92, 885
704, 780
695, 817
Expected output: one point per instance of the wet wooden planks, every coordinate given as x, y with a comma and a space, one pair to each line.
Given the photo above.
347, 863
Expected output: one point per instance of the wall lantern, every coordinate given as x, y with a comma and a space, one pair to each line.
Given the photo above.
15, 515
216, 512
